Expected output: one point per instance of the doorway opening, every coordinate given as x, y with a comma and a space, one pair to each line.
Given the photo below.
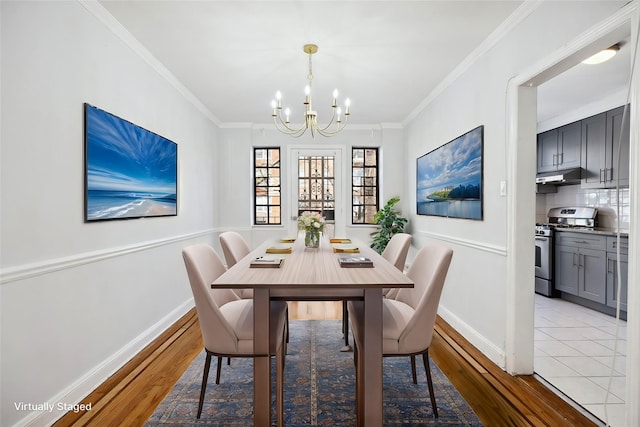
523, 127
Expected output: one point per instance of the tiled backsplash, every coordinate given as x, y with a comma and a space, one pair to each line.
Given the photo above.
603, 199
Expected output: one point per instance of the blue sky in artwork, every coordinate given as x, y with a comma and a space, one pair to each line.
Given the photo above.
124, 157
458, 162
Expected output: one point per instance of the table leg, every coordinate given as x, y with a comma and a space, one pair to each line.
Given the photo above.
371, 357
262, 360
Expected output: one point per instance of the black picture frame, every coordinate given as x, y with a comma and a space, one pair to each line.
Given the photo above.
130, 172
449, 179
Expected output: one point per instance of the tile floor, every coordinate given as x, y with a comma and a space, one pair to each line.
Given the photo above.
574, 349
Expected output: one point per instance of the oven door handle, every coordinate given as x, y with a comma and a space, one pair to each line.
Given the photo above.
541, 239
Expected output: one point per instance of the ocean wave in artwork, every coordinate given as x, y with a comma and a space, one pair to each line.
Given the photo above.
117, 204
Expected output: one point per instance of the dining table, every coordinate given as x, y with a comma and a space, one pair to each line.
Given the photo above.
316, 274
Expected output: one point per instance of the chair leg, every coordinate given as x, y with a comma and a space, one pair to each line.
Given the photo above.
218, 370
413, 370
425, 359
203, 387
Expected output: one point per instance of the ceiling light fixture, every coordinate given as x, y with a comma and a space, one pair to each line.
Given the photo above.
283, 124
603, 55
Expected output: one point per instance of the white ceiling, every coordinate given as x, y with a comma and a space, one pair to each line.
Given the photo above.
386, 56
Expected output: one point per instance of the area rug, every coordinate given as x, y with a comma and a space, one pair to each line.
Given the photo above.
319, 388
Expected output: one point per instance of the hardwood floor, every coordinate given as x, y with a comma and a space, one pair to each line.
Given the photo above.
130, 396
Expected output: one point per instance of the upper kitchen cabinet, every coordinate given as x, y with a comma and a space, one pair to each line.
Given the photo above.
601, 136
559, 148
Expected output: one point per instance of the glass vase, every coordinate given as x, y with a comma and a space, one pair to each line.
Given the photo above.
312, 239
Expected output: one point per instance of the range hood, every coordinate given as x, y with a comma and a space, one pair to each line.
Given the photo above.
567, 176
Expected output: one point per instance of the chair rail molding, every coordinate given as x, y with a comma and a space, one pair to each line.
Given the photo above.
474, 244
27, 271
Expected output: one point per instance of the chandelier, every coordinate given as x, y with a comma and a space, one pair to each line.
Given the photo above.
335, 125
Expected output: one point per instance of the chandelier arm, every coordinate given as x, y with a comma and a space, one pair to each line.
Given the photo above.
326, 133
331, 122
282, 127
284, 124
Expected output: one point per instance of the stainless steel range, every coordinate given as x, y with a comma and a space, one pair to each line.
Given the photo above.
544, 260
567, 217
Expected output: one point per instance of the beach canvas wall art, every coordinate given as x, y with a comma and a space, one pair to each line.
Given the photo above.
449, 178
130, 172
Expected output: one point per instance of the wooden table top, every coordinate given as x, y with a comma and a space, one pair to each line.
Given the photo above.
313, 269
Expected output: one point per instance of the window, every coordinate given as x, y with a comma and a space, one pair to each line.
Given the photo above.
316, 185
364, 184
267, 201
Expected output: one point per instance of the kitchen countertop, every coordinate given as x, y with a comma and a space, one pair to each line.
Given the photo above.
596, 230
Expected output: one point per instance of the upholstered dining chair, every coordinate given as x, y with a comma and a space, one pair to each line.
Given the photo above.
234, 248
226, 321
409, 319
396, 253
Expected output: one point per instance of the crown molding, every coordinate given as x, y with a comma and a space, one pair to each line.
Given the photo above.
515, 19
103, 15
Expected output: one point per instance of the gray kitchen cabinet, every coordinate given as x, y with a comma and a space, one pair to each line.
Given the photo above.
566, 274
612, 272
559, 148
580, 263
601, 136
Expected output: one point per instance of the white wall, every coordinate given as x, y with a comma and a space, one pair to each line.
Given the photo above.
474, 300
77, 299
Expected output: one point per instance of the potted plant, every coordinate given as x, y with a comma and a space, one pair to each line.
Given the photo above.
390, 223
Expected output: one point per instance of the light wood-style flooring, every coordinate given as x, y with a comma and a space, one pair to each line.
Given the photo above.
131, 395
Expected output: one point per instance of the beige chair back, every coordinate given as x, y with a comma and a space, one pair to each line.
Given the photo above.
396, 250
428, 272
203, 267
234, 247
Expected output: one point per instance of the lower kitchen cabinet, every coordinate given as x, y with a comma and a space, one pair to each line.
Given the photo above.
566, 273
612, 272
581, 265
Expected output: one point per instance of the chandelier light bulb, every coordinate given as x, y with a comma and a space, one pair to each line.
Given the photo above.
279, 99
347, 104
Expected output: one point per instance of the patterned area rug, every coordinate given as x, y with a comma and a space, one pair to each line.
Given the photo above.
319, 388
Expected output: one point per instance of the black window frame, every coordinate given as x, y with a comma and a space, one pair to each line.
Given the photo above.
268, 187
365, 184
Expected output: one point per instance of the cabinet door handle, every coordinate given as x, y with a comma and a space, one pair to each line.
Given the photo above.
601, 175
580, 260
574, 259
561, 158
610, 177
555, 156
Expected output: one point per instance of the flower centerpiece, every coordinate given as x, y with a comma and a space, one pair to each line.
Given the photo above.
313, 224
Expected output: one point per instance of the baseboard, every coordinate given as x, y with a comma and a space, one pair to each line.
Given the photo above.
91, 380
490, 350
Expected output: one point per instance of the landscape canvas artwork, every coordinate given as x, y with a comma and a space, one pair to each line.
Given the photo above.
130, 172
449, 178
